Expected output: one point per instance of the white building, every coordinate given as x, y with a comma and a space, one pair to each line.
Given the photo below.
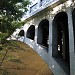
50, 30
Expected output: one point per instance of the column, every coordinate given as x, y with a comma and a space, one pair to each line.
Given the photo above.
71, 42
39, 3
50, 37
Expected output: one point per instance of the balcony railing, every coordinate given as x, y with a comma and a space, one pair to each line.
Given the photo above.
44, 2
34, 7
37, 7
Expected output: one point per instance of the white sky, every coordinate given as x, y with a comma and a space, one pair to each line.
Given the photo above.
33, 1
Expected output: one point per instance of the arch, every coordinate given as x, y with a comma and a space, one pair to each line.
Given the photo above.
21, 33
43, 33
60, 36
31, 32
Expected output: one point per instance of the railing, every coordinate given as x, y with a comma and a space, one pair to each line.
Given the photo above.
37, 7
34, 7
43, 2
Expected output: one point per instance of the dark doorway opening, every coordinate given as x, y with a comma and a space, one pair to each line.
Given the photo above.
31, 32
43, 33
60, 37
21, 33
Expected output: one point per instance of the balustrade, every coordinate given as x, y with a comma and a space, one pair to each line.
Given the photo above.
34, 7
43, 2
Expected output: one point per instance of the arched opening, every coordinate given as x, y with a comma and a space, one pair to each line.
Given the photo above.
43, 33
73, 17
21, 33
21, 36
60, 37
31, 32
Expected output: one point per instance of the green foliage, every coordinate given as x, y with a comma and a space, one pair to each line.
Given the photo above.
1, 48
3, 37
13, 59
11, 12
13, 8
5, 72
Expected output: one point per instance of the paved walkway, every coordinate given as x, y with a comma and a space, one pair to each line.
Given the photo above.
23, 60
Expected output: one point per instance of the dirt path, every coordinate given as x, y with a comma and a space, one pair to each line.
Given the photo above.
23, 60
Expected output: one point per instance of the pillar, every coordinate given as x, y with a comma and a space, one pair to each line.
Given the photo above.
71, 42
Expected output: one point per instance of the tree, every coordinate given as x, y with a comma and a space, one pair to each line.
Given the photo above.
11, 12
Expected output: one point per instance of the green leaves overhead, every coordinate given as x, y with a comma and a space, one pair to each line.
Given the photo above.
13, 8
11, 12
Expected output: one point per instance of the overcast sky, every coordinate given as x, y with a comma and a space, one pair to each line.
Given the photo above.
33, 1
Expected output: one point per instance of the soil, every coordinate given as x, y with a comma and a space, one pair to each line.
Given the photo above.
20, 59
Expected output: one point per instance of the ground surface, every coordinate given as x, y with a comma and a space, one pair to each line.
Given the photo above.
20, 59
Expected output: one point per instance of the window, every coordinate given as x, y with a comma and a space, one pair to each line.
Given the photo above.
31, 32
43, 33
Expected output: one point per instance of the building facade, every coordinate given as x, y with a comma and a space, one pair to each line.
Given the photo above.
50, 30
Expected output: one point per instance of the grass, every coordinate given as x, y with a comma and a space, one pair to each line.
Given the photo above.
1, 56
20, 59
13, 59
10, 46
5, 72
2, 53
